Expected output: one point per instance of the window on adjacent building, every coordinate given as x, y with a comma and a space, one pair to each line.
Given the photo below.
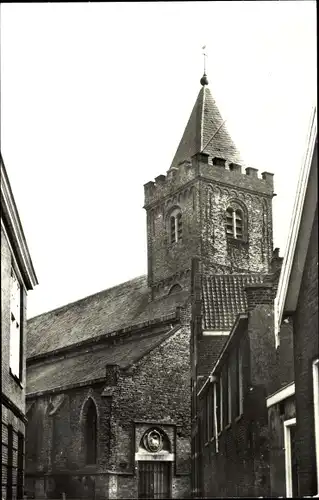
216, 408
290, 458
90, 433
15, 326
235, 384
213, 411
209, 411
9, 484
235, 223
229, 395
315, 368
240, 381
20, 471
176, 226
221, 402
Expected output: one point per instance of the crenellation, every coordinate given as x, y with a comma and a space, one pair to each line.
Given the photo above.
268, 177
219, 162
214, 169
253, 172
160, 179
234, 167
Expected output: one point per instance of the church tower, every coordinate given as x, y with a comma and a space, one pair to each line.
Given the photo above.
207, 206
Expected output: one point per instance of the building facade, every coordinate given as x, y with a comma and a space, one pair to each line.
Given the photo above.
293, 407
255, 412
17, 278
108, 391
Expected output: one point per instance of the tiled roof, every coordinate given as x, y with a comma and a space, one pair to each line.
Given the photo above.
223, 298
203, 123
119, 307
87, 366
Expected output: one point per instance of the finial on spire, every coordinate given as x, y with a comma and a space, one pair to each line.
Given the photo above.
204, 79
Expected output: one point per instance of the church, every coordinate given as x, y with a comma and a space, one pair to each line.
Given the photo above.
110, 377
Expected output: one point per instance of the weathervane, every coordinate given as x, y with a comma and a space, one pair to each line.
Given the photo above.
204, 80
205, 55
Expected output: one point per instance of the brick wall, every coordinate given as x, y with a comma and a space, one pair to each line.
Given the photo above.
154, 390
13, 393
203, 192
306, 349
239, 465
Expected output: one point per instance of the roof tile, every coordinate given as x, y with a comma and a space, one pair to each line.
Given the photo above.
113, 309
223, 298
87, 366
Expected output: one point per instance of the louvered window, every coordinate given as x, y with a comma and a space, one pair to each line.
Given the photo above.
179, 226
176, 226
234, 223
238, 224
173, 230
229, 222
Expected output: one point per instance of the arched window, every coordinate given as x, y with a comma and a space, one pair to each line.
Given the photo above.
90, 435
235, 223
176, 226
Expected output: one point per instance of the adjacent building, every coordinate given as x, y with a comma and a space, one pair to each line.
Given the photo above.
294, 406
109, 377
17, 278
255, 418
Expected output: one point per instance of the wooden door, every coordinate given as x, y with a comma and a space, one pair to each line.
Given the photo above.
154, 480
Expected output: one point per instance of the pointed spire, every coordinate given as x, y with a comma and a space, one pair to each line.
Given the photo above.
206, 131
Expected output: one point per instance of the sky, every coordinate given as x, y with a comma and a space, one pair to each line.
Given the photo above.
94, 101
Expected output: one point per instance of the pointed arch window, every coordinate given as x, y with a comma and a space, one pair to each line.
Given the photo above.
90, 430
176, 226
235, 223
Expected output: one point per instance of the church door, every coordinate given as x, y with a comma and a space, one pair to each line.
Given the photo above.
154, 479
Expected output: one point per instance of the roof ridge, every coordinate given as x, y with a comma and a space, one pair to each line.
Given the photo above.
87, 297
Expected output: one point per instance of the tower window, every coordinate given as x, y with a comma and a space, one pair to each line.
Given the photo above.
176, 226
90, 433
234, 223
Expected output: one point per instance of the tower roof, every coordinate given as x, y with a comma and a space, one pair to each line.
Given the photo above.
206, 132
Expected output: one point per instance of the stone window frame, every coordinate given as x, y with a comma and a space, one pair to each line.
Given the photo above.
16, 327
84, 428
234, 207
175, 225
